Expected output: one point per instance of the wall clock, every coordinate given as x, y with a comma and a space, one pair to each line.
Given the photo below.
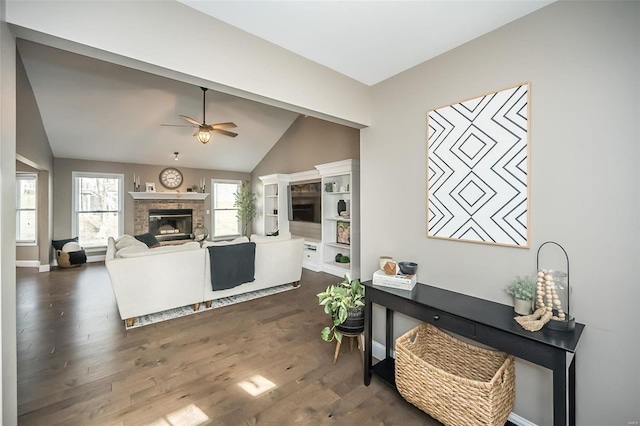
171, 178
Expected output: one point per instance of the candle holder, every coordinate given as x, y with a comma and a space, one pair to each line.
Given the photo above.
553, 285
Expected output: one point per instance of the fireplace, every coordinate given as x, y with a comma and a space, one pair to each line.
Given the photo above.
171, 224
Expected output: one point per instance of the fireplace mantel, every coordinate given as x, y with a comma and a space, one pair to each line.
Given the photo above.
169, 195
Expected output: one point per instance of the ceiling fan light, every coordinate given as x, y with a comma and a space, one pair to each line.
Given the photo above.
204, 136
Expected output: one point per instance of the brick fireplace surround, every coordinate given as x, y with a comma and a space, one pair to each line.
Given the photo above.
142, 207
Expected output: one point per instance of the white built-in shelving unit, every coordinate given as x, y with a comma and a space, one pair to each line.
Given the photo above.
274, 203
340, 181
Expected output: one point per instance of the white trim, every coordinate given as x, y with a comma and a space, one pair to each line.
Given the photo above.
29, 176
27, 263
168, 195
213, 237
306, 175
274, 179
74, 197
338, 167
519, 421
44, 268
96, 258
378, 350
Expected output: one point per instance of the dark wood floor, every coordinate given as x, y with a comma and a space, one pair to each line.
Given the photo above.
78, 365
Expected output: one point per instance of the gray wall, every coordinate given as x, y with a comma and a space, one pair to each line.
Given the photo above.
32, 147
583, 62
308, 142
63, 168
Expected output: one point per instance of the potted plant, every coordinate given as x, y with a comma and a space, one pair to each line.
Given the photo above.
522, 290
344, 302
246, 204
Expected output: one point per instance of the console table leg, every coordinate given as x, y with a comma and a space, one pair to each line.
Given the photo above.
560, 392
368, 320
389, 337
572, 391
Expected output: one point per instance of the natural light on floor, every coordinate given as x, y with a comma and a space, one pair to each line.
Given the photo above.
256, 385
186, 416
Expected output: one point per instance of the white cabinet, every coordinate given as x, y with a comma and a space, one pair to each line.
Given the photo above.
274, 203
311, 255
340, 233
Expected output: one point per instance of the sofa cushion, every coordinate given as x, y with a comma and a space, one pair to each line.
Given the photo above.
270, 239
131, 250
149, 239
128, 241
58, 244
146, 251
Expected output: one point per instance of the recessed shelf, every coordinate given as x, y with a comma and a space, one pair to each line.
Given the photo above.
338, 218
338, 193
345, 266
338, 245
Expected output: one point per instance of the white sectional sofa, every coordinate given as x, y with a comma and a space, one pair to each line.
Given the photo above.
147, 280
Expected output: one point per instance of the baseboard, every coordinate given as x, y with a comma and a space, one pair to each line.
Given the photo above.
312, 267
44, 268
379, 352
96, 258
27, 263
519, 421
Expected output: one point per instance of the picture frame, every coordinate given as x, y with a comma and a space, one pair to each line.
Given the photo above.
343, 232
478, 163
150, 187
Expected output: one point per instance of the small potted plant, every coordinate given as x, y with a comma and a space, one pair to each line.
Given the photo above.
522, 290
344, 302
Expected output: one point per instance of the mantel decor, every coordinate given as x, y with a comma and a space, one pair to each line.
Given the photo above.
478, 169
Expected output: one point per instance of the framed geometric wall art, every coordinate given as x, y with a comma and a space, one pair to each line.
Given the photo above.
478, 169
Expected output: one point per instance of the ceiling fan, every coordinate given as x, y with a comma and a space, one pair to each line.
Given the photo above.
204, 130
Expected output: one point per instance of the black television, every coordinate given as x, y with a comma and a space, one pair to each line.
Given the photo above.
305, 202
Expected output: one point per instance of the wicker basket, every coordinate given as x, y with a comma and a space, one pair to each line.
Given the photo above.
452, 381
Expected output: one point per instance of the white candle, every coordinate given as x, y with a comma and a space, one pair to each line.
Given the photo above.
134, 178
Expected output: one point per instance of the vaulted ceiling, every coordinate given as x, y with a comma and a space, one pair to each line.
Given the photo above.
97, 110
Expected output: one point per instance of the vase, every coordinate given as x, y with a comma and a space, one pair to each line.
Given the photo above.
354, 324
342, 206
522, 307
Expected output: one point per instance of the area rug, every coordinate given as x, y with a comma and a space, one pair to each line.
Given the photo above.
218, 303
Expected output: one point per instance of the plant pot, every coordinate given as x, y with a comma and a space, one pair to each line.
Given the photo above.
354, 324
522, 307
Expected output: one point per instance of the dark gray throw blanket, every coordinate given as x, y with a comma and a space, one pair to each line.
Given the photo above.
232, 265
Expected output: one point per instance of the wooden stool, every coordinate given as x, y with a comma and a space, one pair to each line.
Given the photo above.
350, 336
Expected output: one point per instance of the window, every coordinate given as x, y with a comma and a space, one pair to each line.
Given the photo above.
97, 207
26, 203
224, 217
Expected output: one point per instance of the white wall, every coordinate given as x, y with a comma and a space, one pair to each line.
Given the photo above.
9, 393
583, 62
171, 36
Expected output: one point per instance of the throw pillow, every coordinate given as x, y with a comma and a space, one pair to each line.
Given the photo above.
149, 239
58, 244
71, 246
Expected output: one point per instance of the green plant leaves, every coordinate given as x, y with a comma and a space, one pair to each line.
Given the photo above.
325, 334
337, 300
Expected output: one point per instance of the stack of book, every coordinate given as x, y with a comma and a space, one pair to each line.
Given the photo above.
403, 282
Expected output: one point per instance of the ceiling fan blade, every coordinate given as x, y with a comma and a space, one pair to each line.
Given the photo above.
191, 120
224, 132
224, 125
176, 125
196, 133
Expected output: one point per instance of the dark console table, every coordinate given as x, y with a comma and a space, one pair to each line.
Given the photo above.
486, 322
